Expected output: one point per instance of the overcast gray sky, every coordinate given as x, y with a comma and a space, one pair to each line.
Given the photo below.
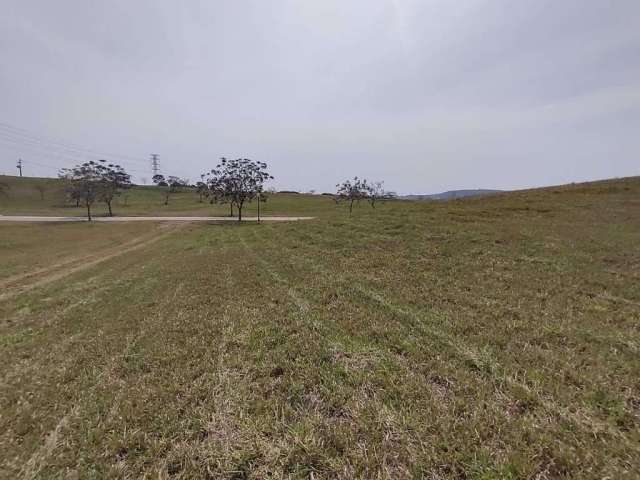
425, 95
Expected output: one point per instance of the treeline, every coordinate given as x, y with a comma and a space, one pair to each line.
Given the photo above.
232, 182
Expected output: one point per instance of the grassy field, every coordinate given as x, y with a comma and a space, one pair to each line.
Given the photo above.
23, 198
473, 339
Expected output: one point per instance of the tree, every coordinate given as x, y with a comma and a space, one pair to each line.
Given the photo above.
159, 180
71, 189
376, 192
352, 191
41, 188
114, 181
85, 181
172, 184
201, 189
237, 182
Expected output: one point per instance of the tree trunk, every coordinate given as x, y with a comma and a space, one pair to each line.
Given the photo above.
231, 215
77, 203
350, 207
240, 212
109, 205
88, 211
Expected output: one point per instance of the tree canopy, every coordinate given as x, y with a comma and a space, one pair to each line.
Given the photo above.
237, 182
95, 181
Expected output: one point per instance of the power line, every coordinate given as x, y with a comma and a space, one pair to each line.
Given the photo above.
43, 150
21, 133
19, 138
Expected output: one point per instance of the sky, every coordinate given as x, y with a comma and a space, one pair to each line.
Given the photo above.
425, 95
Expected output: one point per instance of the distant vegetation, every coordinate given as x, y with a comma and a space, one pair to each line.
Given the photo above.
22, 197
353, 191
94, 181
170, 185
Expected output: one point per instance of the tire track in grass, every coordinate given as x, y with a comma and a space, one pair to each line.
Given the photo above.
69, 260
481, 360
323, 331
102, 380
38, 460
301, 303
83, 299
83, 264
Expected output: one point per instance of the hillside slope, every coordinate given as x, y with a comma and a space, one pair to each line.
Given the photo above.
24, 197
484, 338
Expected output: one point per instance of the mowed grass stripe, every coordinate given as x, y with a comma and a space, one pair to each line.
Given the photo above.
492, 394
72, 370
480, 360
365, 365
625, 358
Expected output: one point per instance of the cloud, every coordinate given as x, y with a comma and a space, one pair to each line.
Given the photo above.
426, 95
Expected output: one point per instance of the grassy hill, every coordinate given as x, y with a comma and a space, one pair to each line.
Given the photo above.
24, 197
480, 338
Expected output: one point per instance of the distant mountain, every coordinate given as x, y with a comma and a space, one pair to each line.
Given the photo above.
451, 194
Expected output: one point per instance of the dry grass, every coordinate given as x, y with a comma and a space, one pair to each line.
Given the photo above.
492, 338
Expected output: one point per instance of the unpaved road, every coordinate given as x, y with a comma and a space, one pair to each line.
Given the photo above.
36, 218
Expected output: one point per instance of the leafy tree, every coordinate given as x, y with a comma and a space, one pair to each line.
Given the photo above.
237, 182
86, 183
114, 181
159, 180
352, 191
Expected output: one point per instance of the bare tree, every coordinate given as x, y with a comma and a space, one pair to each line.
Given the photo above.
171, 185
351, 191
237, 182
71, 189
377, 193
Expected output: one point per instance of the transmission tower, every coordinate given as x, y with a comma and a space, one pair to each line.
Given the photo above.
155, 164
19, 166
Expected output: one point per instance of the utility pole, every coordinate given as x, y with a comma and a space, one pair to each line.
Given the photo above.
19, 166
155, 164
